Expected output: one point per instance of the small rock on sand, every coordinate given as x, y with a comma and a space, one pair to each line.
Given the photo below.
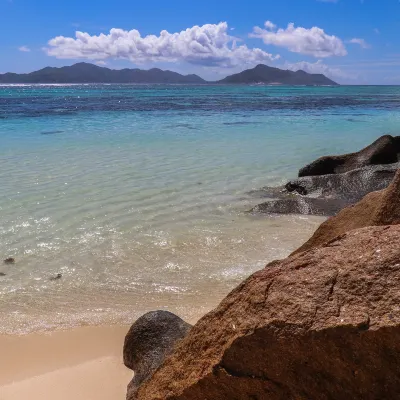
56, 278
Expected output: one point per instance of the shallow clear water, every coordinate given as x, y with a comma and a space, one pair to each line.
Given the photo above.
137, 194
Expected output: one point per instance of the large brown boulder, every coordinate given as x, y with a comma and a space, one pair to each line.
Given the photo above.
323, 324
384, 150
376, 208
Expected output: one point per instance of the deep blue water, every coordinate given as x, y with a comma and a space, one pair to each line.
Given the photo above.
39, 101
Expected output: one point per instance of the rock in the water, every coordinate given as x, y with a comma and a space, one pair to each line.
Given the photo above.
318, 325
151, 338
384, 150
376, 208
9, 260
326, 194
296, 187
56, 277
351, 186
301, 205
50, 132
2, 274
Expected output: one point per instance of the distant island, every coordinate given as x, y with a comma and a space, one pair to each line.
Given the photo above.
89, 73
270, 75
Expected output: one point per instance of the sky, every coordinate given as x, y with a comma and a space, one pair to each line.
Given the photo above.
351, 41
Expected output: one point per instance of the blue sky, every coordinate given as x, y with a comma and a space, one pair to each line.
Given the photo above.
352, 41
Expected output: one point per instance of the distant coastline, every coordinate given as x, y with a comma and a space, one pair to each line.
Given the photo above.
88, 73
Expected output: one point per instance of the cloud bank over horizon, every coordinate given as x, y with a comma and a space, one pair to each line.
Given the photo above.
209, 45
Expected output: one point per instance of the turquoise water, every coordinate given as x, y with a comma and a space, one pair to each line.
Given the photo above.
137, 194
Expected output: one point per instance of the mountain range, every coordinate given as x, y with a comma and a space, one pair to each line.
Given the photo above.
89, 73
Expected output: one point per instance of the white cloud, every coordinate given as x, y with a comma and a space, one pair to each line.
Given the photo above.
318, 68
314, 42
25, 49
101, 63
269, 25
360, 42
207, 45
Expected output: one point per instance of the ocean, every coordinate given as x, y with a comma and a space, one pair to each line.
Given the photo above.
137, 194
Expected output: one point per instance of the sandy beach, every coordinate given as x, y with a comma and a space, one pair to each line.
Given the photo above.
80, 364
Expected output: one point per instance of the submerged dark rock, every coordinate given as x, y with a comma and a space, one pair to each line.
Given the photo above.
296, 187
301, 205
50, 132
384, 150
56, 277
150, 339
2, 274
9, 260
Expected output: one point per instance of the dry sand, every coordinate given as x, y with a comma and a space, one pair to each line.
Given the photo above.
81, 364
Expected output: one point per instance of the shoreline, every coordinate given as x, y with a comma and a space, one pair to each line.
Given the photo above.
52, 365
173, 271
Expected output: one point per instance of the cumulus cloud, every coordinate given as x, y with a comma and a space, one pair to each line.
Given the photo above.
25, 49
318, 68
207, 45
269, 25
314, 42
360, 42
